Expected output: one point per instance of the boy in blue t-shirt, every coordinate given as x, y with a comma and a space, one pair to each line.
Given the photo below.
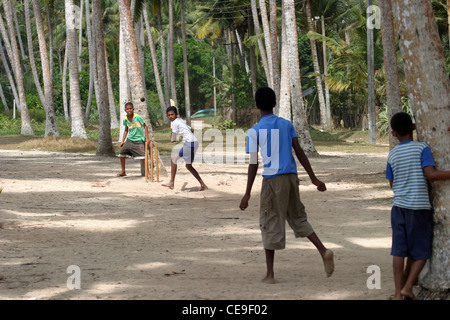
280, 198
409, 165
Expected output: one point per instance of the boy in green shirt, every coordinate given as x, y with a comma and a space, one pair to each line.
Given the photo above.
134, 145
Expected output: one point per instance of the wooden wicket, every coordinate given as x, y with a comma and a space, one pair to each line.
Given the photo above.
153, 146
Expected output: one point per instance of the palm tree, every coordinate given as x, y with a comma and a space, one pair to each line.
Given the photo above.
429, 89
104, 147
151, 45
318, 76
371, 80
187, 98
76, 111
170, 58
298, 110
27, 128
262, 51
393, 94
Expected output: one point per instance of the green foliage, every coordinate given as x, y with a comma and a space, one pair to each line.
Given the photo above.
225, 124
37, 112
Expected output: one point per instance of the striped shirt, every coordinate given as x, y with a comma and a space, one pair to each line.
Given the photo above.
405, 168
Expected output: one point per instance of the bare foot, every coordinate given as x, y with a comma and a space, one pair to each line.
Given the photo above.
203, 187
121, 174
168, 185
268, 280
408, 294
328, 261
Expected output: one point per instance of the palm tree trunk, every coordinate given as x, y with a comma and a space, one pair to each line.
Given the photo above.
298, 109
8, 73
64, 86
19, 38
93, 82
284, 108
3, 99
267, 39
51, 128
318, 77
105, 146
187, 96
163, 61
170, 56
371, 113
325, 72
274, 46
262, 51
112, 104
76, 111
27, 128
393, 95
124, 82
151, 44
429, 90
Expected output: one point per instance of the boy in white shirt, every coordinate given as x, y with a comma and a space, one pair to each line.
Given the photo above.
187, 152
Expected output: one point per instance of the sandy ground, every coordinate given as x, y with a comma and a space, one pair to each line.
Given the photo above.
134, 240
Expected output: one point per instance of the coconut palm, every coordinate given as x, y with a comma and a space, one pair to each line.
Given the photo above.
27, 128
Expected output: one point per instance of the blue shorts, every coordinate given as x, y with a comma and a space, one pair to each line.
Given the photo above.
187, 152
412, 233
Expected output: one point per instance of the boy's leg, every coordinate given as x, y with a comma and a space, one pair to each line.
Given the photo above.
197, 176
398, 268
327, 255
122, 173
173, 171
270, 257
416, 268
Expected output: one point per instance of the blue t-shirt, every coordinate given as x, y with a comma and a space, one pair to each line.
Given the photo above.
405, 168
274, 136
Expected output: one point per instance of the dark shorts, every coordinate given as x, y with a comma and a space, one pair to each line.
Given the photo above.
133, 148
412, 233
187, 152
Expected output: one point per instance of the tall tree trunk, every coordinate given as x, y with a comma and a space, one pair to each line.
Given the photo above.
93, 82
318, 77
151, 44
112, 104
371, 113
298, 109
284, 108
393, 96
76, 111
251, 32
429, 92
187, 96
267, 39
19, 38
262, 51
3, 99
51, 127
124, 82
274, 46
64, 86
8, 73
27, 128
105, 146
170, 56
325, 72
164, 70
80, 36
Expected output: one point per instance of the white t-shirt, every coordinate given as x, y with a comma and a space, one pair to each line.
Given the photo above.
181, 128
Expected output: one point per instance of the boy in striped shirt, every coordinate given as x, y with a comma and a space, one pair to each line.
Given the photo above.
409, 165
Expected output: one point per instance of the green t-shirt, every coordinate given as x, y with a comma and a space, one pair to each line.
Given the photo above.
135, 128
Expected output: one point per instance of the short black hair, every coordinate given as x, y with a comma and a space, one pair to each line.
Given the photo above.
129, 104
172, 108
401, 123
265, 98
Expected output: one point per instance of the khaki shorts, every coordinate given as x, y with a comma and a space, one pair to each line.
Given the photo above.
280, 202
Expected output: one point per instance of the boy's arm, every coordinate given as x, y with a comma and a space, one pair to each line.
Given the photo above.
251, 174
125, 133
433, 174
301, 156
